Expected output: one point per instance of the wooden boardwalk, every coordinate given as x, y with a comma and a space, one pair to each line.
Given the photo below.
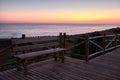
104, 67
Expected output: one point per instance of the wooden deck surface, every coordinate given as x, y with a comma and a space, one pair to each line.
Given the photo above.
105, 67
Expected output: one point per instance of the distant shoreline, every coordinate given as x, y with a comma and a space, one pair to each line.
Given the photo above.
16, 30
95, 33
61, 23
107, 30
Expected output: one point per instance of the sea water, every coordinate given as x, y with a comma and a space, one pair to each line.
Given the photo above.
16, 30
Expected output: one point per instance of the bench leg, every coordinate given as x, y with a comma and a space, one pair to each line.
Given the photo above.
25, 71
18, 65
61, 56
55, 56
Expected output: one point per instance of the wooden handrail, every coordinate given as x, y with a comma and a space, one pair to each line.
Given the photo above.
94, 37
87, 40
1, 51
105, 46
75, 45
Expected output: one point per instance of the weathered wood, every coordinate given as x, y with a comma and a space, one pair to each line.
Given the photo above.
52, 48
105, 67
109, 48
95, 54
23, 36
110, 42
60, 40
110, 35
64, 40
104, 41
105, 47
96, 44
35, 46
38, 53
64, 46
75, 45
116, 41
32, 40
87, 47
1, 51
96, 37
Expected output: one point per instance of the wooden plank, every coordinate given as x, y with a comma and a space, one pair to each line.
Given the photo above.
96, 44
104, 41
105, 67
3, 76
38, 53
96, 37
110, 48
1, 51
96, 53
118, 46
74, 37
82, 70
31, 40
87, 46
110, 43
78, 44
110, 35
91, 67
8, 75
67, 75
36, 46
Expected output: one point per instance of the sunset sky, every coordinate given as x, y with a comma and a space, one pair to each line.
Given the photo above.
60, 11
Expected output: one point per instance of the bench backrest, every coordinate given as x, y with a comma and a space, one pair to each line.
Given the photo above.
29, 44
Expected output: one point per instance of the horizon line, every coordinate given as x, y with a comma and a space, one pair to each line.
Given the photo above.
56, 23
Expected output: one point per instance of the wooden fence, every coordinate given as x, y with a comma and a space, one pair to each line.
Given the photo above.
103, 42
29, 44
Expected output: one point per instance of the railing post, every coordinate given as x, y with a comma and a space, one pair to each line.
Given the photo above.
23, 36
115, 40
63, 46
60, 40
87, 47
64, 40
104, 41
118, 35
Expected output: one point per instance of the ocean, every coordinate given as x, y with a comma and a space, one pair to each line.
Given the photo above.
16, 30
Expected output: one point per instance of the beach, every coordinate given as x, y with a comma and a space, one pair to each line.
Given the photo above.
16, 30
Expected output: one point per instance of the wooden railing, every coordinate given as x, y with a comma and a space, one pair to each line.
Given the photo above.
30, 44
104, 44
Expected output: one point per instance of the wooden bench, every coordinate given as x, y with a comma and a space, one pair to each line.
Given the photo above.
28, 49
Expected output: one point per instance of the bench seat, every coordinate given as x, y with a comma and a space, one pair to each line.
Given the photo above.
39, 53
28, 49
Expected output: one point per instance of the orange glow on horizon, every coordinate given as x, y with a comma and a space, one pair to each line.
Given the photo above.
56, 17
57, 11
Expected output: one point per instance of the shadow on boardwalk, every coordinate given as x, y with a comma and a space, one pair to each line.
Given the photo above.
105, 67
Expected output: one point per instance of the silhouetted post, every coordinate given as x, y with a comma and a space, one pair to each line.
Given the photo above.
60, 45
23, 36
87, 46
60, 40
104, 41
64, 42
115, 41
